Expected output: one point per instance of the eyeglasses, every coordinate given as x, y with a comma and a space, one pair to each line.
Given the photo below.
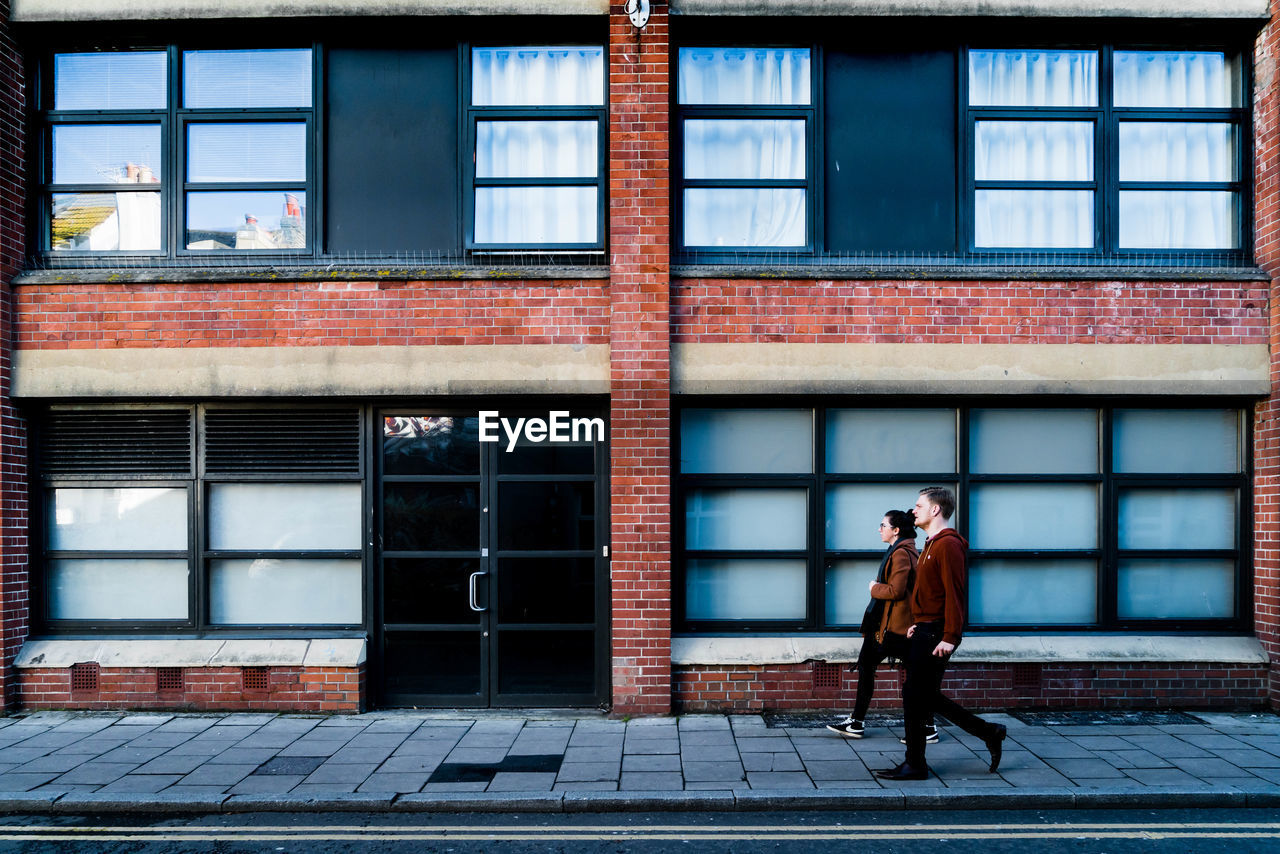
883, 525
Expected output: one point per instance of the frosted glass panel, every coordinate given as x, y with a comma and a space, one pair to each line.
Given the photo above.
734, 75
1033, 78
1034, 219
746, 519
1176, 589
854, 511
891, 440
1179, 219
846, 590
551, 149
531, 76
745, 441
246, 78
1033, 151
1034, 516
124, 80
745, 590
1183, 78
1177, 151
742, 148
744, 217
1176, 440
1037, 593
109, 589
142, 519
1177, 519
106, 154
1033, 441
275, 592
536, 215
288, 516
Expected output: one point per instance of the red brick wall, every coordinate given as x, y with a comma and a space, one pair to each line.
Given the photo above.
311, 313
981, 686
640, 370
300, 689
827, 312
13, 434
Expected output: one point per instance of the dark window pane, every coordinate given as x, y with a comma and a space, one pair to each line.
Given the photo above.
133, 80
546, 515
546, 590
418, 590
548, 458
531, 662
246, 78
106, 154
256, 151
432, 662
105, 222
444, 517
247, 221
413, 445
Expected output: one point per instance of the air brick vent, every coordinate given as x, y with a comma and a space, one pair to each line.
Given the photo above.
257, 679
169, 680
1026, 676
826, 676
268, 440
110, 442
84, 677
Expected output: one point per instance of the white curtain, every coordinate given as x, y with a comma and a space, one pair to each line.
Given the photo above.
1033, 78
537, 76
536, 215
1179, 219
1033, 151
744, 217
538, 149
1034, 219
1175, 79
759, 76
744, 148
1177, 151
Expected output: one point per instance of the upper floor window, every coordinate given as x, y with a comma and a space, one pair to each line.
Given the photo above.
536, 126
746, 120
1105, 151
220, 162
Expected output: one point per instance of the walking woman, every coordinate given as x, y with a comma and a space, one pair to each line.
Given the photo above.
888, 616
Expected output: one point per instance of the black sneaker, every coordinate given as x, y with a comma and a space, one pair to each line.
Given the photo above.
930, 735
849, 728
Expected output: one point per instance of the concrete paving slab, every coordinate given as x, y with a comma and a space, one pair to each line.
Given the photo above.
183, 763
586, 772
341, 772
97, 773
703, 722
604, 753
837, 769
773, 762
651, 781
217, 775
142, 783
54, 762
767, 744
17, 781
1248, 758
522, 781
265, 784
476, 755
411, 764
455, 787
1131, 759
1077, 769
381, 781
1212, 767
240, 756
655, 746
709, 772
769, 780
651, 763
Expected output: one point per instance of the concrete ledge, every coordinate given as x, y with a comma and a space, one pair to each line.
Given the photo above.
180, 10
190, 652
336, 802
1067, 369
92, 802
695, 801
754, 650
480, 802
311, 371
1023, 8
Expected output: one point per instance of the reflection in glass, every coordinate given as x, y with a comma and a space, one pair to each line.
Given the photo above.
546, 458
1170, 589
854, 511
891, 440
846, 590
537, 76
430, 445
1033, 592
744, 148
745, 590
1179, 219
541, 149
423, 590
557, 515
1034, 516
105, 222
1177, 519
1176, 441
759, 76
747, 518
1034, 219
1033, 78
247, 221
1033, 151
431, 663
1176, 78
744, 216
108, 589
132, 519
285, 516
1033, 441
1177, 151
270, 591
546, 590
437, 517
743, 441
536, 215
242, 151
561, 662
120, 80
106, 154
246, 78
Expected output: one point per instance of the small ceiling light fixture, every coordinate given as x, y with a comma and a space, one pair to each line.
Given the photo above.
638, 11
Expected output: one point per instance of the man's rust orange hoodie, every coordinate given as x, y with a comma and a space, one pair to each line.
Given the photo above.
941, 580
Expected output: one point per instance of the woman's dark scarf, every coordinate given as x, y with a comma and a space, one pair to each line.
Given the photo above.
875, 608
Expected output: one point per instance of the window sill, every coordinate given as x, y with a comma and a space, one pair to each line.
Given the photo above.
756, 650
306, 273
926, 272
192, 652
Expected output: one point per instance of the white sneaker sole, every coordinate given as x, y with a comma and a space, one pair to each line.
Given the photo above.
841, 731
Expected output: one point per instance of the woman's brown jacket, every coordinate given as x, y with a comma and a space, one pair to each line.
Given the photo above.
896, 589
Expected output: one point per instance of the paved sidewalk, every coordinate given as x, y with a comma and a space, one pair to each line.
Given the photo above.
560, 761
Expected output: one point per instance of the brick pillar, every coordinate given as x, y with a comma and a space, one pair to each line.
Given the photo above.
1266, 436
13, 434
640, 364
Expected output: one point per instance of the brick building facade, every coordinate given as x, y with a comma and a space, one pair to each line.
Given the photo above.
241, 467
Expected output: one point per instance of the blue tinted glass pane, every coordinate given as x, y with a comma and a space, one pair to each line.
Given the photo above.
247, 221
1033, 592
727, 441
1170, 589
247, 152
1177, 519
246, 78
109, 81
1176, 440
745, 590
106, 154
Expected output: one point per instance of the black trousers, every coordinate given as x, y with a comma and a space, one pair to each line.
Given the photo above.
922, 695
870, 657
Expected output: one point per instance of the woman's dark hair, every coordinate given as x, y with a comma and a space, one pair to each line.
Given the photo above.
904, 521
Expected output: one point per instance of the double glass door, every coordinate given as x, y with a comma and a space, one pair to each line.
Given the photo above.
492, 567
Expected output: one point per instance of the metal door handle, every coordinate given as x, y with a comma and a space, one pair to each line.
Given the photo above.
475, 606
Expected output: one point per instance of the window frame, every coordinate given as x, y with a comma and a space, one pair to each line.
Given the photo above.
1109, 483
472, 115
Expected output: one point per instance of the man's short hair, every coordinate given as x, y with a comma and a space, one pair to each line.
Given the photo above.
941, 497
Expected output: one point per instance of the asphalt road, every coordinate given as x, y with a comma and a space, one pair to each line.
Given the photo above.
987, 832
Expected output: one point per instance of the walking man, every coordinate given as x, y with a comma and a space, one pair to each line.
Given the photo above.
937, 604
